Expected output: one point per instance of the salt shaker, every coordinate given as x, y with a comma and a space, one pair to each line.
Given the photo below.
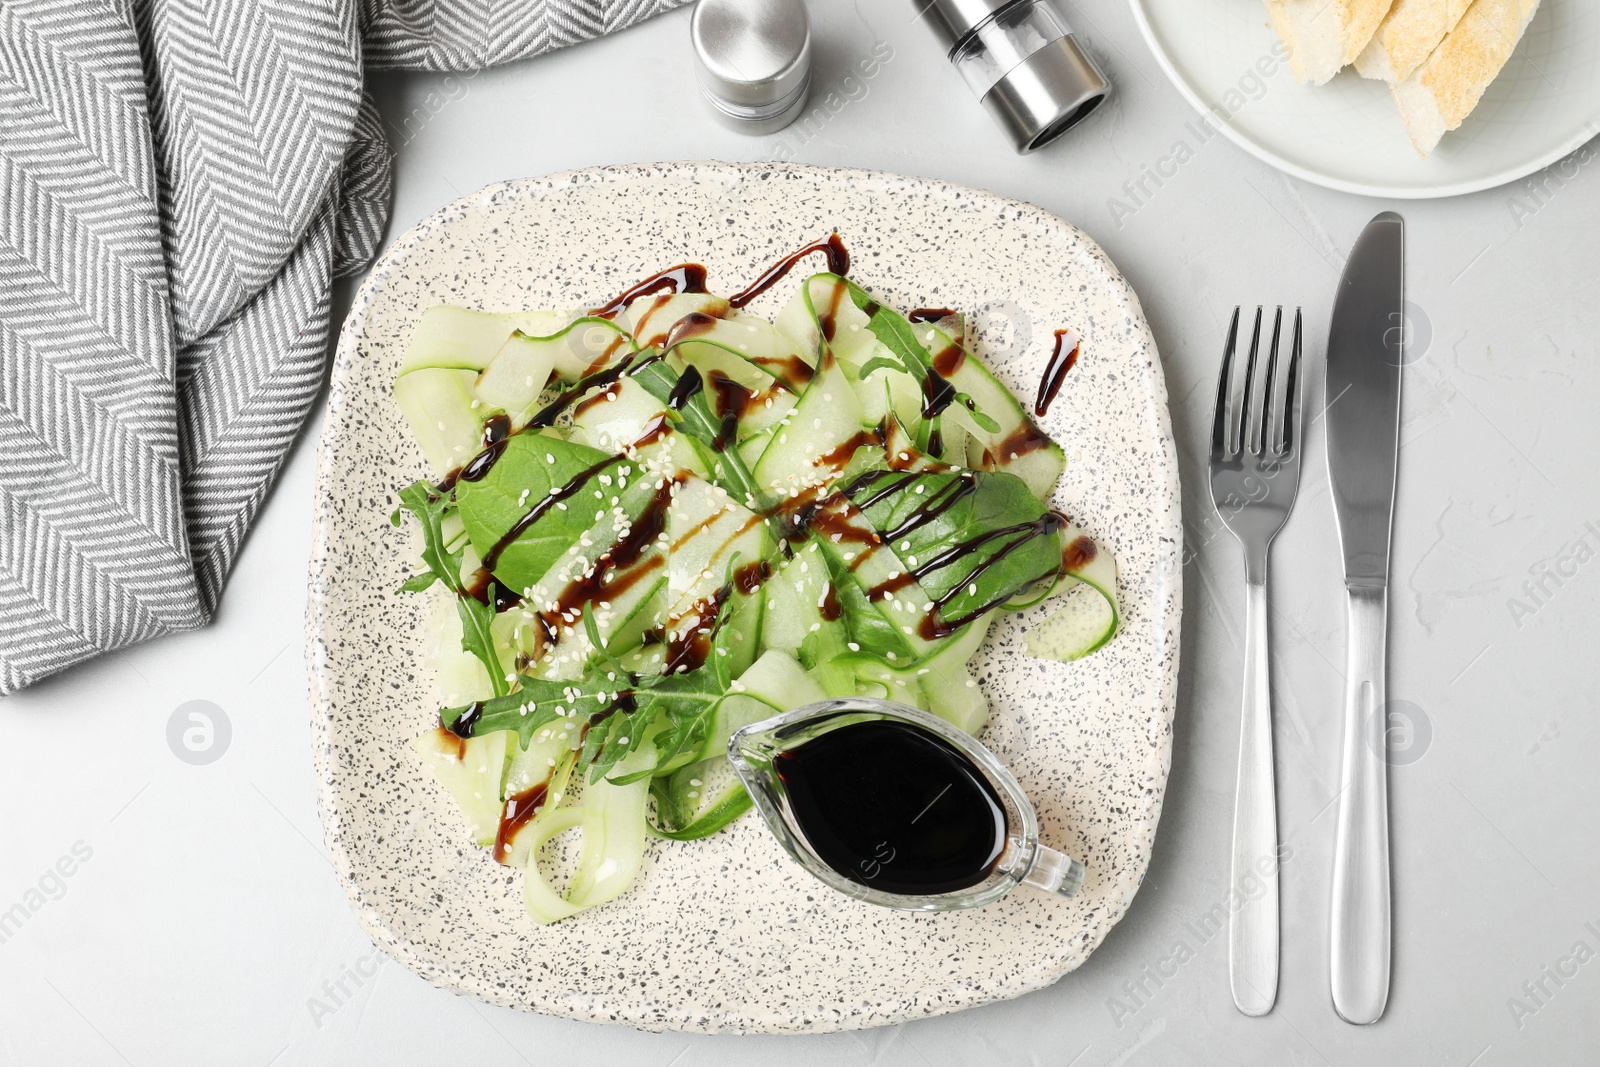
1021, 61
753, 59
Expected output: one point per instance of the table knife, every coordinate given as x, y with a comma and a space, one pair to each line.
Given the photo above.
1366, 345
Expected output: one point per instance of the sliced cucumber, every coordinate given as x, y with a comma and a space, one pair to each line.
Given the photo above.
823, 636
516, 376
1089, 616
718, 349
765, 413
444, 416
650, 319
546, 763
461, 676
812, 442
614, 417
955, 696
470, 771
786, 622
612, 820
752, 342
698, 800
750, 448
708, 531
463, 339
622, 616
888, 393
1084, 622
759, 402
824, 299
1018, 445
777, 681
874, 568
953, 693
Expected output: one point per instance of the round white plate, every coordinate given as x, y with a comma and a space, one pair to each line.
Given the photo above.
1347, 134
728, 933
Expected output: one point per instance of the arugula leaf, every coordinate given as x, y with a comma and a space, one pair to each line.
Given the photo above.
897, 335
418, 582
617, 705
877, 363
685, 705
477, 636
976, 414
431, 507
536, 703
621, 732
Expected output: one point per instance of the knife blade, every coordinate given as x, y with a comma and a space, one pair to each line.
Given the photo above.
1366, 355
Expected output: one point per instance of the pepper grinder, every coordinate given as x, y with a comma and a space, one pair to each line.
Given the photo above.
1021, 61
753, 59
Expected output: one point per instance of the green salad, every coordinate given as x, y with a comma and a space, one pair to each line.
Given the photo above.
658, 521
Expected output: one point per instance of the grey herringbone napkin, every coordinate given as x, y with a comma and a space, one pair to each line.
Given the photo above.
180, 182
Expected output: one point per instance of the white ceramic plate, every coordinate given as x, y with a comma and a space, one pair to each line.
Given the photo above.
1347, 134
728, 933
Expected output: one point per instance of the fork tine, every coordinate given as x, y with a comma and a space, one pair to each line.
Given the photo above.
1291, 394
1271, 410
1245, 424
1219, 421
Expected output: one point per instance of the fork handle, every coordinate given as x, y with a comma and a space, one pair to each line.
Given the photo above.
1253, 926
1359, 931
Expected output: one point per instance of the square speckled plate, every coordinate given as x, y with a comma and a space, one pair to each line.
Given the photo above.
729, 934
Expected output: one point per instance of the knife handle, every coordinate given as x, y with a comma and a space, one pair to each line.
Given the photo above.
1360, 932
1253, 928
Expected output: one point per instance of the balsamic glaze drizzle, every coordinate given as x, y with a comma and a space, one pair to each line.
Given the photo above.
547, 415
496, 432
462, 727
519, 810
1055, 372
684, 278
833, 248
689, 384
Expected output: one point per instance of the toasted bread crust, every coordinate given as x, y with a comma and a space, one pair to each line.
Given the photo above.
1408, 34
1444, 89
1324, 35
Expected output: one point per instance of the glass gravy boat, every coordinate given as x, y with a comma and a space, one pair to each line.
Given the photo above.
894, 806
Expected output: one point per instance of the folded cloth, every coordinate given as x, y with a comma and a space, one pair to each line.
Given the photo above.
180, 182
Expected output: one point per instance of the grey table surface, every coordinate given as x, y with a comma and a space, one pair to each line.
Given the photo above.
179, 913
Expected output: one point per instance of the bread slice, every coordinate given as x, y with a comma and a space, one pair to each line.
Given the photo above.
1323, 35
1445, 87
1409, 32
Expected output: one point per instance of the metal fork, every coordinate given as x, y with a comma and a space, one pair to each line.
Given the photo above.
1255, 472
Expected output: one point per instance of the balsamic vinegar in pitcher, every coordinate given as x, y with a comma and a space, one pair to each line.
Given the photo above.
894, 807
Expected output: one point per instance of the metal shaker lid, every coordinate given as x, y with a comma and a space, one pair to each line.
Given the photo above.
752, 54
952, 20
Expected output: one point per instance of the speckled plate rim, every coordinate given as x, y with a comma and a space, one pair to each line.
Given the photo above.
1166, 611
